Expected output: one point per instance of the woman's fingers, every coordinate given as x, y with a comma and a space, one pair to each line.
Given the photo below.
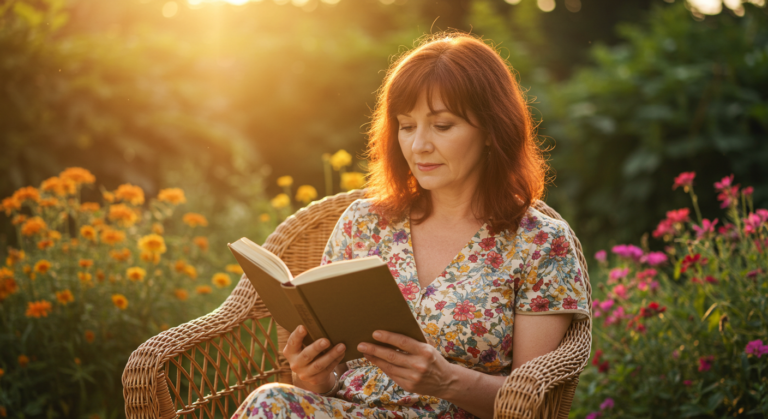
293, 346
329, 360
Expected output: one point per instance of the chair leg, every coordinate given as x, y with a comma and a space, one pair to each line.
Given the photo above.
567, 398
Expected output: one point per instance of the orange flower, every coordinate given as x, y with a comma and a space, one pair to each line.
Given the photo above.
221, 280
8, 284
179, 266
130, 193
89, 336
59, 186
19, 219
65, 297
122, 214
150, 257
27, 193
77, 175
181, 294
85, 278
135, 273
42, 266
234, 268
174, 196
120, 255
111, 236
38, 309
193, 219
264, 217
90, 206
53, 235
203, 289
157, 228
190, 271
119, 301
100, 275
5, 273
201, 242
49, 202
108, 196
152, 243
14, 256
2, 372
88, 232
23, 360
44, 244
11, 204
85, 263
33, 226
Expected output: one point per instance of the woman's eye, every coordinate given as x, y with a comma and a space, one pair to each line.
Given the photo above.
443, 127
406, 128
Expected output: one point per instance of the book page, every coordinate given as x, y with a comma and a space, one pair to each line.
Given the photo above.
263, 258
337, 269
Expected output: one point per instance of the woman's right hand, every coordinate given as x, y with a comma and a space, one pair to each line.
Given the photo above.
313, 371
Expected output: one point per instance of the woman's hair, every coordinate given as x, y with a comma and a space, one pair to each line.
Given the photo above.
469, 75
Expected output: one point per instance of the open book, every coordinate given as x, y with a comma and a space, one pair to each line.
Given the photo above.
344, 301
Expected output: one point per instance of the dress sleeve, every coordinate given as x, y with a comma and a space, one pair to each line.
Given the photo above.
553, 281
338, 246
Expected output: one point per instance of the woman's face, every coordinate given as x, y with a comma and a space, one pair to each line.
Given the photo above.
443, 150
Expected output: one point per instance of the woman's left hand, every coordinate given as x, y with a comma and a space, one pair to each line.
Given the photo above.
422, 370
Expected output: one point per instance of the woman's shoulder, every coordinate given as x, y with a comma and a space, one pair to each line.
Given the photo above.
535, 221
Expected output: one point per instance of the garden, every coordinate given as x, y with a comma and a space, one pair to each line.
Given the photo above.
140, 137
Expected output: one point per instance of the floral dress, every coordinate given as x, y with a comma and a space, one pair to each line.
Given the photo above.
467, 312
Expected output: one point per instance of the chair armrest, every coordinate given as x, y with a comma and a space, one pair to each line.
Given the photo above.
526, 389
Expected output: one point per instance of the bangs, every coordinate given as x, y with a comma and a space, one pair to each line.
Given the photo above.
414, 78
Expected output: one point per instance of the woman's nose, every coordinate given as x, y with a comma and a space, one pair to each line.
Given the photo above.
422, 143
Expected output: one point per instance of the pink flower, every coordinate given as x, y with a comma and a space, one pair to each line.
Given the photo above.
628, 251
752, 224
724, 183
607, 404
606, 305
593, 415
689, 261
706, 227
654, 258
601, 255
687, 383
664, 228
409, 290
570, 303
617, 316
494, 259
620, 291
618, 273
762, 213
675, 354
705, 362
728, 193
756, 348
748, 191
685, 180
464, 310
678, 215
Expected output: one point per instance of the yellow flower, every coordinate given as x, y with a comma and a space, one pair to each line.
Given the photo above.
157, 228
89, 336
27, 193
124, 215
65, 297
432, 329
234, 268
108, 196
119, 301
201, 242
150, 257
120, 255
77, 175
281, 201
340, 159
130, 193
174, 196
54, 235
38, 309
33, 226
193, 219
451, 336
181, 294
88, 232
306, 193
352, 180
221, 280
42, 266
23, 360
264, 218
284, 181
369, 387
203, 289
90, 206
152, 243
190, 271
85, 263
561, 290
44, 244
308, 409
135, 273
111, 236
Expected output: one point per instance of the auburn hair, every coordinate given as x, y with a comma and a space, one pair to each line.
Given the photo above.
469, 75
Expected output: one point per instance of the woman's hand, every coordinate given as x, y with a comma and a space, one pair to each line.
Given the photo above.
421, 370
313, 371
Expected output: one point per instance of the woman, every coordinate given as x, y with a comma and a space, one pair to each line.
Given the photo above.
454, 170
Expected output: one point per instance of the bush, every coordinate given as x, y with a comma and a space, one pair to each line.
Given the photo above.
683, 333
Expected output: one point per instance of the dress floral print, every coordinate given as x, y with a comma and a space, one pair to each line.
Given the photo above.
467, 312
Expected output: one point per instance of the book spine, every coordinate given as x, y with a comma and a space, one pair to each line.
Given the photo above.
315, 330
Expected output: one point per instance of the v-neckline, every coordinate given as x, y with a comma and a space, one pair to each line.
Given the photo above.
409, 243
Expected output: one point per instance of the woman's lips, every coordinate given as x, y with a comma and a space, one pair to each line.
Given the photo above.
427, 167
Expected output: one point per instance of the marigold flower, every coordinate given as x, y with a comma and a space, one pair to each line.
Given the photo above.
108, 196
90, 206
221, 280
88, 232
174, 196
179, 266
152, 243
48, 202
234, 268
120, 255
11, 204
201, 242
130, 193
53, 235
306, 193
14, 255
352, 180
38, 309
111, 236
340, 159
190, 271
44, 244
120, 301
100, 275
181, 294
284, 181
280, 201
264, 217
85, 263
27, 193
19, 219
60, 187
122, 214
135, 273
203, 289
23, 360
77, 175
193, 219
33, 226
64, 297
85, 278
150, 257
89, 336
157, 228
8, 286
42, 266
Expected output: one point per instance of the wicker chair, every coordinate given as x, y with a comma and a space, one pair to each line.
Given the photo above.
207, 367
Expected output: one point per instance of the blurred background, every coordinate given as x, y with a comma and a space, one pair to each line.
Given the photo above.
220, 98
